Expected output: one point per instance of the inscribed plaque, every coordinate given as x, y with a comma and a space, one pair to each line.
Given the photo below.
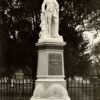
55, 64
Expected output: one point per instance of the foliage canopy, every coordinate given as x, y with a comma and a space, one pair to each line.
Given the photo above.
19, 31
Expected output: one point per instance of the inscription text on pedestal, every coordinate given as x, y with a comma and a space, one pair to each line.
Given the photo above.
55, 64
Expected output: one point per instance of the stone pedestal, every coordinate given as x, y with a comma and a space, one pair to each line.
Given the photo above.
50, 83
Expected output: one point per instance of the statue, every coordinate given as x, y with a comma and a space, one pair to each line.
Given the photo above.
50, 19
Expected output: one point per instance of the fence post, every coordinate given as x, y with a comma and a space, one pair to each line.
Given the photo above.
94, 81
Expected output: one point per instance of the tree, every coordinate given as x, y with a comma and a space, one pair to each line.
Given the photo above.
20, 54
72, 14
22, 18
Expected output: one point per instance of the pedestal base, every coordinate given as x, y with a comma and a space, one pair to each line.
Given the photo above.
50, 90
32, 98
50, 83
50, 39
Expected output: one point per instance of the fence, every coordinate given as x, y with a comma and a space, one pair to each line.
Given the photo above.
16, 89
22, 89
83, 89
